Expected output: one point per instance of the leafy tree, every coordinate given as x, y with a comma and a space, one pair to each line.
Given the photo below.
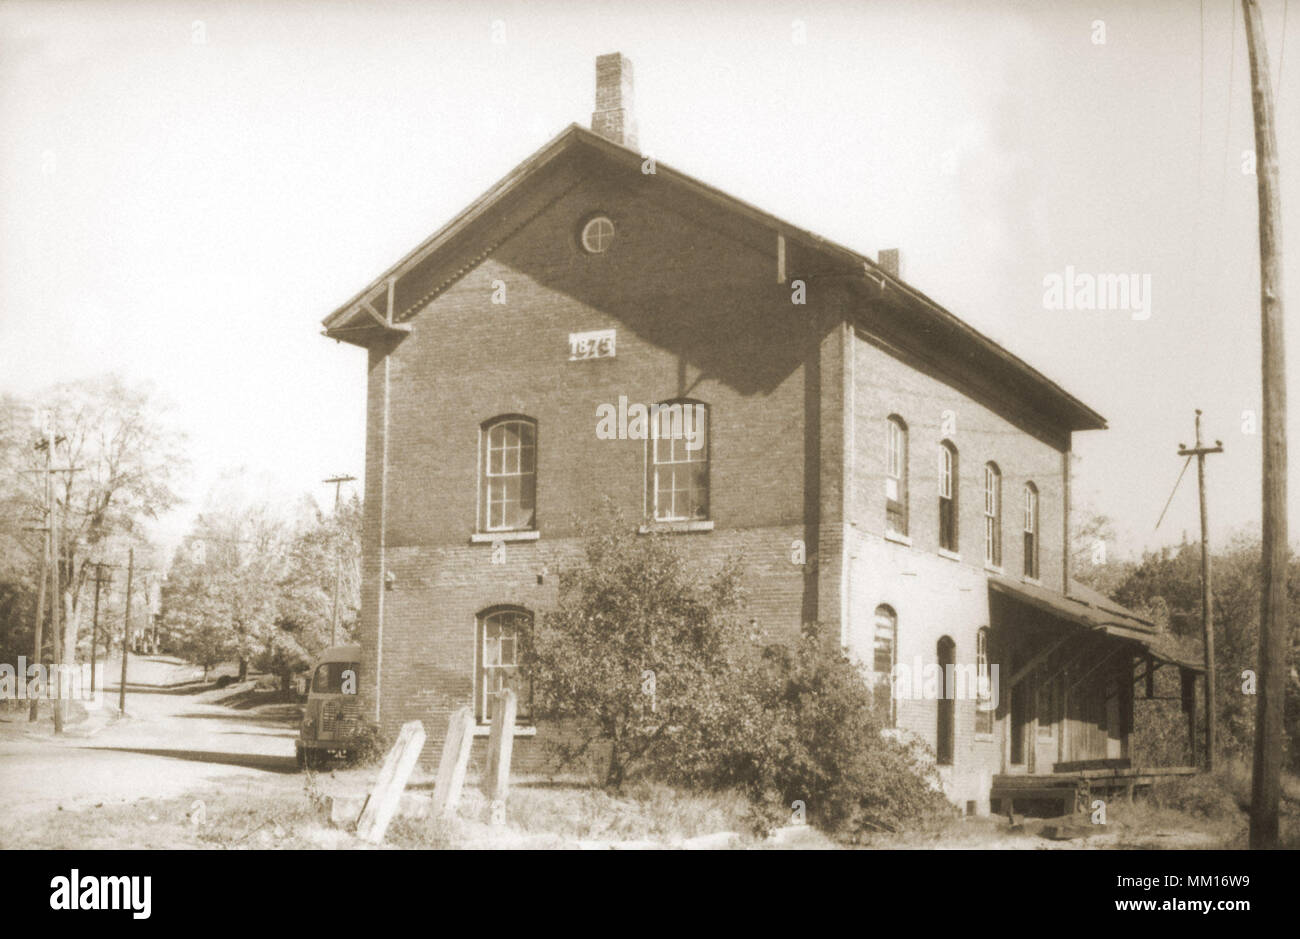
637, 646
127, 458
255, 579
225, 577
1170, 580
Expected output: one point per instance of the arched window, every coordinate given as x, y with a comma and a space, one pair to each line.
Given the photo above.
500, 630
1031, 531
984, 703
677, 489
948, 496
944, 744
509, 481
884, 653
896, 475
992, 515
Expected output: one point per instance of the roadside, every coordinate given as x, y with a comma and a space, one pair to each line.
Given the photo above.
197, 766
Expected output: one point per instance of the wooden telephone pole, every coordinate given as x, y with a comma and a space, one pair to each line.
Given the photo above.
126, 630
1266, 783
1207, 609
51, 567
94, 627
338, 482
34, 710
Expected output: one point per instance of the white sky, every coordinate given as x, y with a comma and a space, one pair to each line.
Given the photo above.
187, 213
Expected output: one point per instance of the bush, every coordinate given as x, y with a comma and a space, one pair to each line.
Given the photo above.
368, 745
651, 660
1207, 796
801, 731
639, 651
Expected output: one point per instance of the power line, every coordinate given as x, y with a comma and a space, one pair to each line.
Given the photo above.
1186, 463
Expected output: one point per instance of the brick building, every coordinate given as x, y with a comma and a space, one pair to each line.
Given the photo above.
923, 468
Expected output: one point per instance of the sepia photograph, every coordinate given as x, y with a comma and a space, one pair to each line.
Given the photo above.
575, 426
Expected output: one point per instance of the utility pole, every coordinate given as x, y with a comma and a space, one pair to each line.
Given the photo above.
49, 567
56, 600
1266, 782
338, 482
1207, 609
34, 710
94, 627
126, 630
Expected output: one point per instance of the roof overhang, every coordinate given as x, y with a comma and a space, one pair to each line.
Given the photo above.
346, 322
1108, 619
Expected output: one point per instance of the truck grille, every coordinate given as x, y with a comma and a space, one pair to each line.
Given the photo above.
339, 719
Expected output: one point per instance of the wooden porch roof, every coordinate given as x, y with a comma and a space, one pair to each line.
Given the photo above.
1097, 613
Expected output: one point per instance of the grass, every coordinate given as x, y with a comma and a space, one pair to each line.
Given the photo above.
292, 812
239, 815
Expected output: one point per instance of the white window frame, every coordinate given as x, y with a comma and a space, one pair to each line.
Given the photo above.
1031, 529
686, 457
519, 618
886, 615
600, 229
896, 473
488, 475
992, 515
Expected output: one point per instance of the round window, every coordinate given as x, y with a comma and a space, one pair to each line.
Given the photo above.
597, 234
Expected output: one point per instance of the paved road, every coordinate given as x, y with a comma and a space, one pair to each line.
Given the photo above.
174, 740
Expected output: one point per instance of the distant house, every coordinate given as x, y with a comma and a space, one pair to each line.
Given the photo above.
884, 467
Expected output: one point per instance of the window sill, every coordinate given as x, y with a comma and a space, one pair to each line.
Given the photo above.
488, 537
485, 730
1032, 580
985, 738
950, 555
897, 538
994, 569
685, 526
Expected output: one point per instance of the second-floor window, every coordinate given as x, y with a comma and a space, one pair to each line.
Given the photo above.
992, 515
509, 483
896, 476
1031, 531
948, 496
678, 485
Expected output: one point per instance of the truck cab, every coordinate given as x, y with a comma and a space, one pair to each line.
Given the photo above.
331, 719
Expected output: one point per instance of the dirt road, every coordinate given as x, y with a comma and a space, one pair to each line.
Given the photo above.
179, 736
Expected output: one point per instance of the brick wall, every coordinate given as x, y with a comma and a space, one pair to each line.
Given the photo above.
934, 595
699, 314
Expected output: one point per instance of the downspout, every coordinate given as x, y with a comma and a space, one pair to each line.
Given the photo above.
1065, 524
846, 484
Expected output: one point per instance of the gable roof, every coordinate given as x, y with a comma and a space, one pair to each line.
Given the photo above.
374, 312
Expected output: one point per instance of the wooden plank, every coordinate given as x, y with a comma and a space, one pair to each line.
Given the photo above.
496, 780
387, 793
452, 765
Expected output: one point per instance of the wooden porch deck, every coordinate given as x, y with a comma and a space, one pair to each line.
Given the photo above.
1074, 785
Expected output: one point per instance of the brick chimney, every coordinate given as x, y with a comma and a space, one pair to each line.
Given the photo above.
613, 118
890, 260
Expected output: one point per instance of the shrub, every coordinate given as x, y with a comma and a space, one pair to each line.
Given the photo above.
369, 745
801, 728
639, 650
652, 660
